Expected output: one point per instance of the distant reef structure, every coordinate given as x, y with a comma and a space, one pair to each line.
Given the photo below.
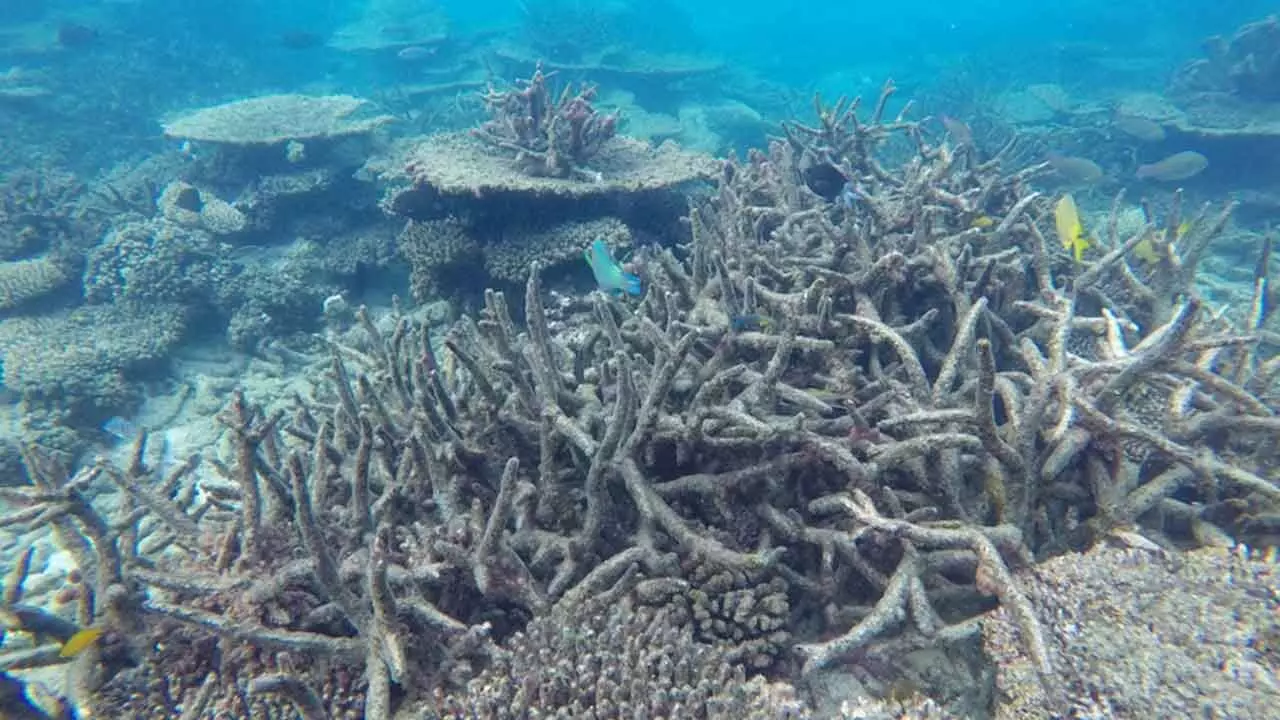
869, 443
1223, 108
1228, 106
604, 33
392, 26
656, 77
56, 370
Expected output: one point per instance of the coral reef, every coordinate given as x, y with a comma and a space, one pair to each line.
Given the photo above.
70, 357
155, 260
548, 136
183, 255
1247, 64
828, 433
22, 281
1227, 107
184, 204
558, 245
40, 210
471, 209
251, 142
70, 370
435, 250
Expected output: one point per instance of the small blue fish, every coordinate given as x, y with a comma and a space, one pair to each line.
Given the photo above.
609, 274
121, 429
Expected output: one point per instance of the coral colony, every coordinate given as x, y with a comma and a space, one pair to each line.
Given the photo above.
551, 136
828, 430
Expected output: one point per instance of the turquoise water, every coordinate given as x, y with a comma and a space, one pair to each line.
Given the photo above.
1006, 42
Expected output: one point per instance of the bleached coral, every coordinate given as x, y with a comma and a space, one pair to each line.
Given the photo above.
549, 135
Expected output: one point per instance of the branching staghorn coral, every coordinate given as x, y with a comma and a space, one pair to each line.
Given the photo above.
550, 136
1017, 427
868, 408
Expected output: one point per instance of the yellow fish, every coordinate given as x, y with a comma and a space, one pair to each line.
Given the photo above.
1146, 250
1070, 231
44, 626
982, 222
80, 642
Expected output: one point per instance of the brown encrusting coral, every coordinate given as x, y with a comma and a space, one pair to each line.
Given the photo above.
828, 431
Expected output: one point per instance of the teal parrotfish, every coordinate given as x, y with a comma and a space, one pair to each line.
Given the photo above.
609, 274
749, 322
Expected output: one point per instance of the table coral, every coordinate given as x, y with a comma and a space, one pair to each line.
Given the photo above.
275, 120
455, 166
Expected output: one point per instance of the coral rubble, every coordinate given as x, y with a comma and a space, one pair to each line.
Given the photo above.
1121, 620
829, 430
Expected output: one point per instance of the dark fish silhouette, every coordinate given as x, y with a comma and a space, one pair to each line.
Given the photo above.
75, 35
824, 180
300, 40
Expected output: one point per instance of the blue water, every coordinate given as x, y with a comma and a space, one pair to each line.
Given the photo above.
208, 48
